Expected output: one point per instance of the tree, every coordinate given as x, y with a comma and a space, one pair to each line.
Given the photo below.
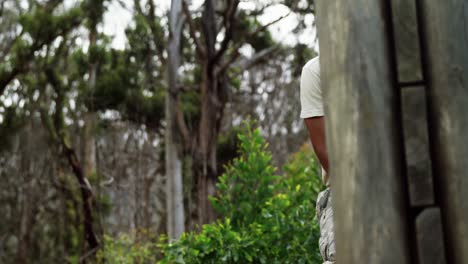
174, 191
215, 64
59, 135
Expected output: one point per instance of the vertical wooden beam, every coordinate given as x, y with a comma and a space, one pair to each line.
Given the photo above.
446, 56
418, 160
429, 237
406, 34
362, 132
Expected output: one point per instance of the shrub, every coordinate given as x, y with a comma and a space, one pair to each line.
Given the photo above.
266, 218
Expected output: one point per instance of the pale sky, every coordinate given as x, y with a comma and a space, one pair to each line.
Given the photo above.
118, 17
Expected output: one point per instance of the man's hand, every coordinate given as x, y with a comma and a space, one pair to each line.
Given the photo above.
316, 128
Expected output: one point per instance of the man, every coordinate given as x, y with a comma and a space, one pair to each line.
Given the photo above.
313, 115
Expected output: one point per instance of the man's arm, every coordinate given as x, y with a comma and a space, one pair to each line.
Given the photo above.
316, 128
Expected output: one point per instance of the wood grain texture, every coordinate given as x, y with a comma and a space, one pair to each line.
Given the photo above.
416, 140
408, 54
430, 238
446, 40
362, 135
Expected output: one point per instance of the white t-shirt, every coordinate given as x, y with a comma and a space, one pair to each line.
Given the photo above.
311, 92
311, 96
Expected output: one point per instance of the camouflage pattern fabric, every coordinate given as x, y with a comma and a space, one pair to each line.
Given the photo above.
327, 231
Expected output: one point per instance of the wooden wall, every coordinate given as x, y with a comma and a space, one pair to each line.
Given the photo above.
394, 77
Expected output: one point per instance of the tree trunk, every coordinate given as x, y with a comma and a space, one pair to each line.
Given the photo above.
86, 197
88, 152
55, 128
88, 138
206, 161
174, 191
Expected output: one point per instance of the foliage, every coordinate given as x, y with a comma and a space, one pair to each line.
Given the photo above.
41, 26
126, 250
251, 177
267, 218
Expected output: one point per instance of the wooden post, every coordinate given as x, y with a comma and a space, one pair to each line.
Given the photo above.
446, 59
381, 61
431, 249
363, 133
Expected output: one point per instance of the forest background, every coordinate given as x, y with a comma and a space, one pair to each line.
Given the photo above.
119, 119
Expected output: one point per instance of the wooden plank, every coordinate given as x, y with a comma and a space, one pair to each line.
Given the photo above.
446, 54
406, 36
361, 117
415, 131
430, 238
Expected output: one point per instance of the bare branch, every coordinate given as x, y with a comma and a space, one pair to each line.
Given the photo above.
200, 49
229, 22
235, 53
247, 63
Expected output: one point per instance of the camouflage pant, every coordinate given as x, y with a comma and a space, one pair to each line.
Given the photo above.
327, 231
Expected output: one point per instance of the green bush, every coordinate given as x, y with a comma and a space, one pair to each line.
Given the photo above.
266, 218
